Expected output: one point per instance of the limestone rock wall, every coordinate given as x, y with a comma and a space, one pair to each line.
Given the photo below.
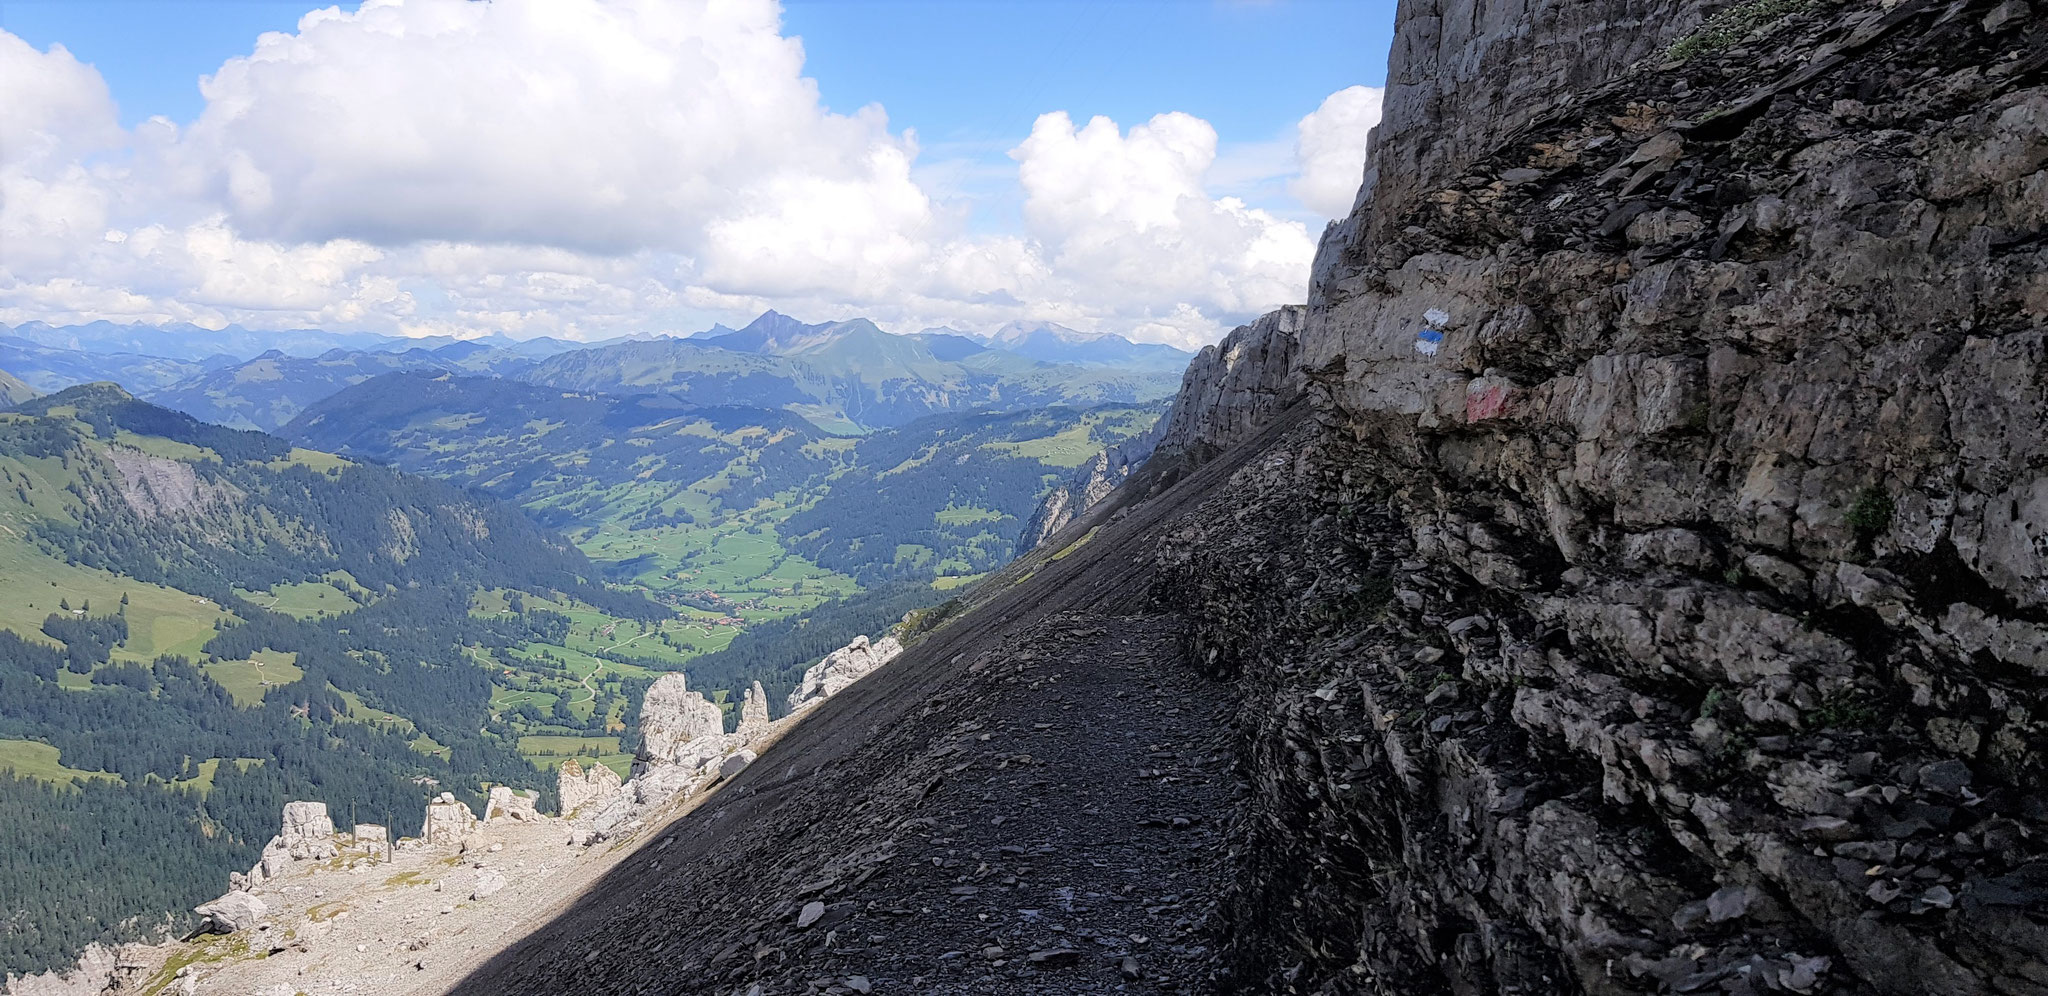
1232, 388
1659, 600
448, 820
674, 722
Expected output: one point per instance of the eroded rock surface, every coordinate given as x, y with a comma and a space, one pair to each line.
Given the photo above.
448, 820
1656, 606
676, 723
577, 786
841, 668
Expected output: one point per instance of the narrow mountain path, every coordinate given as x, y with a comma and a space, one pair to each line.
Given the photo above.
1062, 839
1030, 800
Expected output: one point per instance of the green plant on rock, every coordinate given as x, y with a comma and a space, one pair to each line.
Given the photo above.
1870, 513
1731, 25
1847, 709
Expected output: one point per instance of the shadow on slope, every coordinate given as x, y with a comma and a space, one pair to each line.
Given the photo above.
1035, 702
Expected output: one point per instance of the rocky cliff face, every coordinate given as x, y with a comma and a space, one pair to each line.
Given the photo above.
1090, 484
1659, 600
1232, 388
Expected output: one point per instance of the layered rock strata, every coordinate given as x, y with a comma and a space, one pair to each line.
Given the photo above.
1659, 599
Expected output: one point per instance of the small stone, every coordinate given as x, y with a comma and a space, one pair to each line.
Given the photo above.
859, 984
2005, 15
1054, 957
992, 952
1939, 896
810, 914
1129, 969
1945, 777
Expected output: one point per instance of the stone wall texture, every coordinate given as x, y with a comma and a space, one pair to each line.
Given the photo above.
1657, 600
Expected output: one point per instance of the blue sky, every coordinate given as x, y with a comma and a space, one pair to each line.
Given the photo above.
1006, 206
957, 70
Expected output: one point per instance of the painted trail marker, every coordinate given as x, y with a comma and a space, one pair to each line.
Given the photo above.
1430, 337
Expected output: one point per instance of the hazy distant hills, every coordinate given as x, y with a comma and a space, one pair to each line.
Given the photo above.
184, 341
858, 372
54, 368
272, 389
846, 375
1050, 343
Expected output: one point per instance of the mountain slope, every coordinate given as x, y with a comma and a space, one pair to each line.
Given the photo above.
158, 654
1630, 581
13, 391
654, 487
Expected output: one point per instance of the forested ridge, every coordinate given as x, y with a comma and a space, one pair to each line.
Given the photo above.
167, 783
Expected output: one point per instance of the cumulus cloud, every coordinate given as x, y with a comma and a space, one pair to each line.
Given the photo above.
1330, 149
593, 167
1129, 210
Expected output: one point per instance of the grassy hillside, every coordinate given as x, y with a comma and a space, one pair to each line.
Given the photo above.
13, 390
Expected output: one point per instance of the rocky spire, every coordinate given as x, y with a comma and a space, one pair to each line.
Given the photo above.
578, 785
671, 716
754, 713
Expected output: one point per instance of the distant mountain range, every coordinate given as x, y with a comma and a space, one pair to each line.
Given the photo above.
846, 376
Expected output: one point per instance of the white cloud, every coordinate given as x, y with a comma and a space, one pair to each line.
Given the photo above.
593, 167
1330, 149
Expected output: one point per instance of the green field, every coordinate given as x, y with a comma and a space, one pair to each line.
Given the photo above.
311, 598
966, 515
557, 746
249, 680
31, 759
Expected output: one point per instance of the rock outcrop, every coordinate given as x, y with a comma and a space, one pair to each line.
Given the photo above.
841, 668
507, 803
1096, 479
677, 725
1231, 389
684, 746
577, 786
233, 912
754, 722
1656, 601
306, 833
448, 820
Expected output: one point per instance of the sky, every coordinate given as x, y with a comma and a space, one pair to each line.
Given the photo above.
588, 168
